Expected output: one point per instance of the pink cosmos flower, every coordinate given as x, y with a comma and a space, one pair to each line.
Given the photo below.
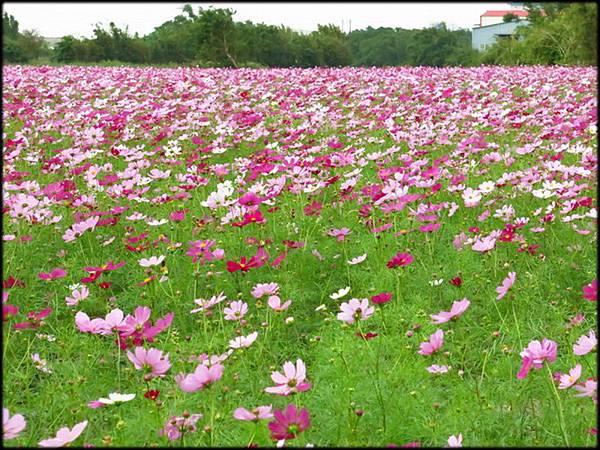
262, 289
590, 291
458, 307
400, 259
455, 441
535, 354
201, 377
566, 381
275, 303
506, 285
95, 326
339, 234
289, 423
585, 344
77, 296
435, 343
243, 341
64, 436
355, 309
485, 244
437, 369
587, 389
236, 310
293, 381
53, 275
177, 425
151, 360
12, 426
258, 413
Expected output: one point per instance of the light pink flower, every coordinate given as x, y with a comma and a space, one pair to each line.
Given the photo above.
587, 389
77, 296
585, 344
455, 441
535, 354
236, 310
258, 413
275, 303
339, 234
262, 289
437, 369
64, 436
202, 376
12, 426
293, 381
433, 345
95, 326
243, 341
458, 307
355, 309
151, 359
485, 244
566, 381
506, 285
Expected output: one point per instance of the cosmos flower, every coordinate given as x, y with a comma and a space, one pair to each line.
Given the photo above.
262, 289
455, 441
355, 309
507, 283
12, 425
152, 361
292, 381
535, 354
357, 260
200, 378
152, 261
175, 426
243, 341
113, 399
566, 381
341, 293
400, 259
458, 307
585, 344
64, 436
236, 310
258, 413
590, 291
433, 345
289, 423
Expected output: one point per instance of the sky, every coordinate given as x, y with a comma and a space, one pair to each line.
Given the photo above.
52, 19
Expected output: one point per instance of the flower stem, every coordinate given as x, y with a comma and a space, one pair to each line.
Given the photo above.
558, 406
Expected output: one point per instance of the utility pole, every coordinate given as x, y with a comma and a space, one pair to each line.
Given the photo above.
350, 26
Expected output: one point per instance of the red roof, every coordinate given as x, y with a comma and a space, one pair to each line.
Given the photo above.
514, 12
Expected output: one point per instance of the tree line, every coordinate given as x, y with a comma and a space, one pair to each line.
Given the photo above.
563, 33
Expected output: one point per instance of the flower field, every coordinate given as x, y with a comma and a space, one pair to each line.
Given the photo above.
299, 257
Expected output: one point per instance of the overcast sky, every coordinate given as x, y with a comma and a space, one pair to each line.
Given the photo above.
78, 19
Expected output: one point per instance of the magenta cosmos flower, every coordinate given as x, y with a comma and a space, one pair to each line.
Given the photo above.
289, 423
400, 259
151, 360
506, 285
201, 377
588, 389
535, 354
435, 343
258, 413
12, 426
64, 436
355, 309
566, 381
292, 381
458, 307
339, 234
590, 291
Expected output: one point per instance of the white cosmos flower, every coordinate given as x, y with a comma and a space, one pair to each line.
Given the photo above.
357, 260
152, 261
341, 293
155, 223
115, 397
